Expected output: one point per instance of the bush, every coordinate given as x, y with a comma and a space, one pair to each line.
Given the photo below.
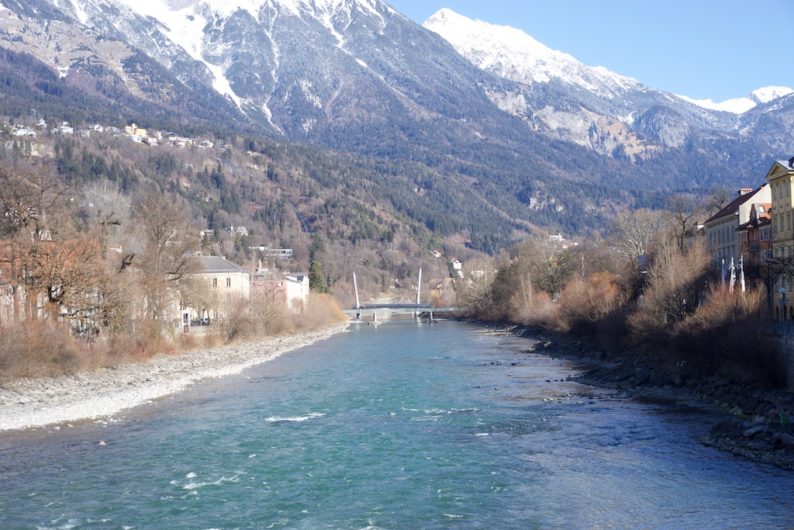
674, 281
37, 349
535, 310
728, 334
584, 304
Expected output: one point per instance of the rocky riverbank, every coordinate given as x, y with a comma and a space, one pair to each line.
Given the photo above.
758, 423
31, 403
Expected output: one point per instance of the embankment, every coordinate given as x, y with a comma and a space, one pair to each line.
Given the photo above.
29, 403
757, 422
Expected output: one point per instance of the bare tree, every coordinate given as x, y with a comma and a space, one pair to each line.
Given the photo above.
168, 244
684, 212
108, 211
716, 200
71, 277
29, 196
33, 208
634, 232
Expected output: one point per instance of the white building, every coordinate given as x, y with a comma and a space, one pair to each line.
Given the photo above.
220, 287
288, 289
20, 131
297, 290
722, 234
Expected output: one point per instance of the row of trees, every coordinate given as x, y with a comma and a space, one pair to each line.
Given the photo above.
647, 286
93, 263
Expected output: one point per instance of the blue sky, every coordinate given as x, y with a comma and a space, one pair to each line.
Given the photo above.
698, 48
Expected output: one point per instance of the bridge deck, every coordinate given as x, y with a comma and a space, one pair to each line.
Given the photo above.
402, 309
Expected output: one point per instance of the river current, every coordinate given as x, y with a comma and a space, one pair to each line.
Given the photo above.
402, 426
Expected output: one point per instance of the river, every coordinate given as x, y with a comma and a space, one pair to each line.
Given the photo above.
402, 426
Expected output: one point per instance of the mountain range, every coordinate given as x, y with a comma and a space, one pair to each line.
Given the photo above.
483, 123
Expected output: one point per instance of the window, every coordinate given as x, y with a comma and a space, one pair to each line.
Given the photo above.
215, 282
228, 282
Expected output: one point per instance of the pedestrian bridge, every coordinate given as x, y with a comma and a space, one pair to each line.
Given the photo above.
417, 310
372, 310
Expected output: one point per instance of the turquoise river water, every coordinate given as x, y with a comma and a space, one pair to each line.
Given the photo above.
403, 426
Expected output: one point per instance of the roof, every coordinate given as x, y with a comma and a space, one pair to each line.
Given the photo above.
734, 205
787, 165
218, 264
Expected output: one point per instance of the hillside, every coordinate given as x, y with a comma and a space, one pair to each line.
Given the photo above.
448, 143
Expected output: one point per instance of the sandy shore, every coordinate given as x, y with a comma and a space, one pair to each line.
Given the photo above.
31, 403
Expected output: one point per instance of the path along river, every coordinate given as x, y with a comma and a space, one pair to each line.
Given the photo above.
402, 426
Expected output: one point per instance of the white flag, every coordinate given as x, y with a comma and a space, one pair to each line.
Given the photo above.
733, 277
741, 273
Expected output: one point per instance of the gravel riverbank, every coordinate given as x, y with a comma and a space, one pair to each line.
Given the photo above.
29, 403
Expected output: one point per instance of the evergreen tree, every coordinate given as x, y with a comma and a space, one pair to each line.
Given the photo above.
317, 278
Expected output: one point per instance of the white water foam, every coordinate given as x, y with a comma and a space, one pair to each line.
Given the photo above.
295, 419
196, 485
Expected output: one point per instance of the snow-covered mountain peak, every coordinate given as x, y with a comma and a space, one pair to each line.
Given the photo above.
743, 104
770, 93
511, 53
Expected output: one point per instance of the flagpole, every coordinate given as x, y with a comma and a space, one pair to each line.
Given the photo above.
741, 273
722, 274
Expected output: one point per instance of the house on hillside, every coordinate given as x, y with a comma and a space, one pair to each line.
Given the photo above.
64, 129
24, 132
455, 268
273, 253
133, 130
781, 180
722, 228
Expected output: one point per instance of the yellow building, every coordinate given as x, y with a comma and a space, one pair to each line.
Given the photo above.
781, 180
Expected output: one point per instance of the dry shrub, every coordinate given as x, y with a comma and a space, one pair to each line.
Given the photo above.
535, 310
126, 348
673, 281
274, 318
38, 349
322, 310
271, 317
187, 341
728, 334
584, 304
211, 340
239, 323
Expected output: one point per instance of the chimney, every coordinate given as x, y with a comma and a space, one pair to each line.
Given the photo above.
791, 162
744, 191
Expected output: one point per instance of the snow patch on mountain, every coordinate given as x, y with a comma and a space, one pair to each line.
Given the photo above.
742, 105
511, 53
734, 106
183, 23
771, 93
82, 16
